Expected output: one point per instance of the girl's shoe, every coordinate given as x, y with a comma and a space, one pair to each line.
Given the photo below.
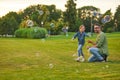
82, 59
78, 59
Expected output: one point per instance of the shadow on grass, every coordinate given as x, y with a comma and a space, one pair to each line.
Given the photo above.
114, 61
110, 61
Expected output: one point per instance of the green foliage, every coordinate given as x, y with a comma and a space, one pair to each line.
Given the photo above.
37, 13
78, 23
41, 14
37, 33
34, 33
17, 17
108, 27
92, 8
86, 14
44, 15
54, 14
108, 12
56, 29
117, 19
70, 14
8, 25
24, 24
109, 30
21, 33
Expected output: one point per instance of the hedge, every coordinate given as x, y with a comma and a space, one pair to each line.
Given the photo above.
34, 33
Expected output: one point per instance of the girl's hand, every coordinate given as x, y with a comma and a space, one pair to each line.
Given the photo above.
72, 39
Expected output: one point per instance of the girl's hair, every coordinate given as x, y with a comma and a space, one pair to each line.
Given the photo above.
81, 26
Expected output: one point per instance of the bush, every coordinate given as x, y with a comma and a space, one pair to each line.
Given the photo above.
34, 32
56, 29
109, 30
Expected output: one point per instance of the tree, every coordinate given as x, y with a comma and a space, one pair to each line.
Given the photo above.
54, 14
108, 12
1, 26
42, 13
17, 17
70, 14
37, 13
106, 21
88, 15
78, 23
117, 19
8, 25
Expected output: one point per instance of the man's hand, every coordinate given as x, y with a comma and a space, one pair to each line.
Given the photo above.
93, 43
94, 46
88, 47
89, 41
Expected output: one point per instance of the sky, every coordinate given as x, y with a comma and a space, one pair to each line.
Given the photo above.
16, 5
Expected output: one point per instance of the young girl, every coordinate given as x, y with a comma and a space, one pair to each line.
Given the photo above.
81, 41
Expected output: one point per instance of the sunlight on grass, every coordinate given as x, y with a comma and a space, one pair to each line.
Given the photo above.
53, 59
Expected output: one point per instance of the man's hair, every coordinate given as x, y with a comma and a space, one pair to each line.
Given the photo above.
97, 24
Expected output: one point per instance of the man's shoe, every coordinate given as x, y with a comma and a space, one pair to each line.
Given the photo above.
101, 61
104, 57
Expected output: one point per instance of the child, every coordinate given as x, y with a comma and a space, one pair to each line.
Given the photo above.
81, 41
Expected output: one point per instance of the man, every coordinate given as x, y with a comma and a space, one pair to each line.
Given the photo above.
99, 50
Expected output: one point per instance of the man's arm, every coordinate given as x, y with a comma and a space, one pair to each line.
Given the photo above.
99, 42
93, 43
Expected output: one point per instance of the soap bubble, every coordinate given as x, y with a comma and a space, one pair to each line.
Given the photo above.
107, 66
37, 54
51, 65
43, 40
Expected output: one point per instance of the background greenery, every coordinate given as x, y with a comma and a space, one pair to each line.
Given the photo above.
44, 15
52, 58
34, 33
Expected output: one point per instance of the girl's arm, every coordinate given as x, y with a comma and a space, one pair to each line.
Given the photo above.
75, 36
87, 35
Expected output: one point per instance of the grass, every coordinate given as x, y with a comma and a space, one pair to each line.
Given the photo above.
52, 59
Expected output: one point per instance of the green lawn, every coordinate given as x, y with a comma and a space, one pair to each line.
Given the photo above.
53, 59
